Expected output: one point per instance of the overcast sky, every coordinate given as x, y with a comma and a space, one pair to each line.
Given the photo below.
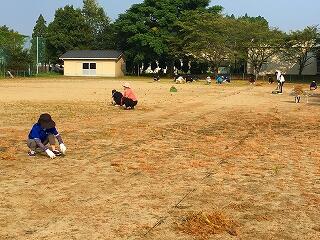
284, 14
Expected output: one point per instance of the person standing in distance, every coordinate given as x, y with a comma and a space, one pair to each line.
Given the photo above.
280, 80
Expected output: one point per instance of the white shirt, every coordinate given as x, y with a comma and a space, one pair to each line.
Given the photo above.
278, 75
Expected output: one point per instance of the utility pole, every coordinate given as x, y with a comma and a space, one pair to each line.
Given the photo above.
37, 55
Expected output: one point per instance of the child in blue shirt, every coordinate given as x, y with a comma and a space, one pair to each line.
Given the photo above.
42, 133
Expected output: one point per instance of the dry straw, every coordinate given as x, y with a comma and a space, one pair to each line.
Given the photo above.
201, 225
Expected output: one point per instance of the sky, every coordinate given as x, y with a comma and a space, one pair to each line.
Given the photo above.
287, 15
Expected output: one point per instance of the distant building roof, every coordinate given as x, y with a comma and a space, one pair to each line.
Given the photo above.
92, 54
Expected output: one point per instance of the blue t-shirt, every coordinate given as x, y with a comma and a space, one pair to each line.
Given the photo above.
37, 132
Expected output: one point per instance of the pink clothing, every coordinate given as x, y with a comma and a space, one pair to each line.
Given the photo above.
128, 93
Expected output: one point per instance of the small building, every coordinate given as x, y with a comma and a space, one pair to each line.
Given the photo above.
99, 63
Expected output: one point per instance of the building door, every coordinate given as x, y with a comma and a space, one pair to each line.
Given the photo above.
89, 69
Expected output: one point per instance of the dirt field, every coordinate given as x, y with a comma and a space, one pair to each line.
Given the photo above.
207, 162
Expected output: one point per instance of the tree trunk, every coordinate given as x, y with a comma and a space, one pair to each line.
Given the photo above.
257, 70
256, 73
300, 72
171, 68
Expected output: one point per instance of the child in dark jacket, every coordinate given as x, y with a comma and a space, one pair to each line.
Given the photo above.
116, 97
313, 85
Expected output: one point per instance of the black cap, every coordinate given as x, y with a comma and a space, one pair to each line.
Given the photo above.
46, 121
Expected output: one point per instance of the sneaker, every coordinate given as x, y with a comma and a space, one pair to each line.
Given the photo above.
31, 153
57, 153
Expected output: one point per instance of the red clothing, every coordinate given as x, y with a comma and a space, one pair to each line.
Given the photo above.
128, 93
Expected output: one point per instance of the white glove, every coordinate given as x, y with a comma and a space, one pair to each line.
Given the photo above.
63, 148
50, 154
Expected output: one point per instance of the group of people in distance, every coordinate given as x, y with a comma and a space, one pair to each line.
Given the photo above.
189, 78
184, 79
281, 80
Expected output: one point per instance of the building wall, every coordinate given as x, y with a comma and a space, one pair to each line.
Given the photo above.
286, 67
120, 67
104, 68
71, 66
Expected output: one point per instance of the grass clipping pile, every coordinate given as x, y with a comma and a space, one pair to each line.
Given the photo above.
298, 90
201, 225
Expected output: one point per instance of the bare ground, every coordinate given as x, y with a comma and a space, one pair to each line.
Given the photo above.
235, 152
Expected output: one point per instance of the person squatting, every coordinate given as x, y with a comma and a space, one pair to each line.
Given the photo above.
128, 99
42, 133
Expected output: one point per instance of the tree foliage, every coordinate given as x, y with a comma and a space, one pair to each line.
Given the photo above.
100, 25
12, 49
220, 40
207, 36
167, 33
301, 46
69, 30
145, 31
261, 43
40, 32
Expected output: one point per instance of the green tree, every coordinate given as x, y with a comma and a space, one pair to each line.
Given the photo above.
69, 30
153, 65
100, 25
145, 31
258, 19
301, 46
242, 39
219, 40
207, 37
40, 32
257, 43
185, 65
12, 49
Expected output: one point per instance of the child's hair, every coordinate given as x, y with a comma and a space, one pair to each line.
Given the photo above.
114, 91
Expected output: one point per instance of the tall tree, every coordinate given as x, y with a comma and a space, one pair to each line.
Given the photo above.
100, 25
206, 37
301, 46
145, 30
69, 30
40, 32
260, 43
12, 49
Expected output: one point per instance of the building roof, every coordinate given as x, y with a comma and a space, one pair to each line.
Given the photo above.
92, 54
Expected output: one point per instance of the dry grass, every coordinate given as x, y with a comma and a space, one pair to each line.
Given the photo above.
298, 90
124, 170
202, 225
